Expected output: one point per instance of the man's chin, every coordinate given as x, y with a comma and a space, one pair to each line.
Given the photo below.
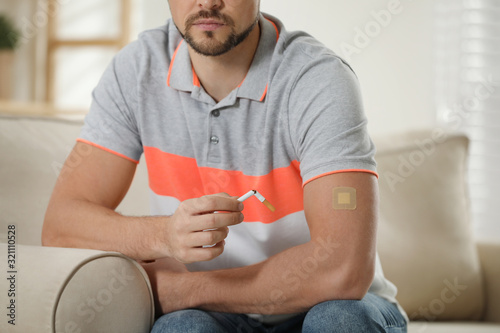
211, 51
209, 46
208, 43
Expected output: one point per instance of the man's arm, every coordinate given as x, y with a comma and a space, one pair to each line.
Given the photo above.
338, 262
91, 185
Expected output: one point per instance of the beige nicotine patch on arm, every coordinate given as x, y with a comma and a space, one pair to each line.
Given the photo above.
344, 198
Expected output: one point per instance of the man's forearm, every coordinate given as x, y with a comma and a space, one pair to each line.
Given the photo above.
290, 282
82, 224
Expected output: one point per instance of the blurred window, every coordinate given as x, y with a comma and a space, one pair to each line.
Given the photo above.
468, 97
82, 38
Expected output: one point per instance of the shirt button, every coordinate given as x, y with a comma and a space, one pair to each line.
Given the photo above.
216, 113
214, 140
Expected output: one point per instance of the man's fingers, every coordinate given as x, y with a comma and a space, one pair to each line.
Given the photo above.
199, 223
221, 194
206, 238
204, 253
212, 203
215, 221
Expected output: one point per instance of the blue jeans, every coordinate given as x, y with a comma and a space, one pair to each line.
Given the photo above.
371, 314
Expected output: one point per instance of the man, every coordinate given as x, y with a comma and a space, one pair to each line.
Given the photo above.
224, 99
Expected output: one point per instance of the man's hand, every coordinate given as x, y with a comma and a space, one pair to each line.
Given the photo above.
340, 261
197, 230
81, 214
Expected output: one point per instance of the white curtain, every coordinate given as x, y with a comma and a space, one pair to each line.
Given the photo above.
468, 97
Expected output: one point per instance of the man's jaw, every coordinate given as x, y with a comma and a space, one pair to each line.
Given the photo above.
213, 41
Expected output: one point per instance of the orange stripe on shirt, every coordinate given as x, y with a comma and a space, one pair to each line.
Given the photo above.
277, 38
180, 177
172, 63
276, 28
108, 150
340, 171
196, 79
264, 94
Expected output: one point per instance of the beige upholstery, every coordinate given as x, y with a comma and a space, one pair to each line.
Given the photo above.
33, 151
490, 263
425, 243
425, 227
57, 288
71, 290
457, 327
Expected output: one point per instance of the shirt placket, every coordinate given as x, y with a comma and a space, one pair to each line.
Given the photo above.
216, 135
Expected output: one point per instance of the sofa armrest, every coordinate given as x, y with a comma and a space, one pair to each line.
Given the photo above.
489, 254
74, 290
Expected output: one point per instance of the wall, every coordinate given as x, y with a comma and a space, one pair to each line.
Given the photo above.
393, 59
153, 13
394, 63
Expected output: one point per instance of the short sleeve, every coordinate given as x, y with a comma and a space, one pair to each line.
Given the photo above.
111, 124
327, 122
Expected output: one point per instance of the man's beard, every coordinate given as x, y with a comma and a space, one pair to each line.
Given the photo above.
211, 46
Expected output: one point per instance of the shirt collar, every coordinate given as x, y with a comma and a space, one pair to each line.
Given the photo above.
181, 75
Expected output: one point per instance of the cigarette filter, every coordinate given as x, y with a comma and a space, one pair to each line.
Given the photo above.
258, 196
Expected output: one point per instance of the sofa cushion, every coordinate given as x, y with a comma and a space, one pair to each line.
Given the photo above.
425, 237
76, 290
455, 327
33, 151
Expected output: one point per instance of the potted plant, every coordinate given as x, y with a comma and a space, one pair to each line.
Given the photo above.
9, 40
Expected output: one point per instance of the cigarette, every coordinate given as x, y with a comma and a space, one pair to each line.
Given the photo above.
247, 195
258, 196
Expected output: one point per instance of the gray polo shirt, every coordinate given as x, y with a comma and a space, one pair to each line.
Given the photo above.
297, 116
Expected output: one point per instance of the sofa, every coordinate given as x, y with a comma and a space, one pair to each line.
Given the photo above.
447, 280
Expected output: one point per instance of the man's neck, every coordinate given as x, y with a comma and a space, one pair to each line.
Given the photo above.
222, 74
